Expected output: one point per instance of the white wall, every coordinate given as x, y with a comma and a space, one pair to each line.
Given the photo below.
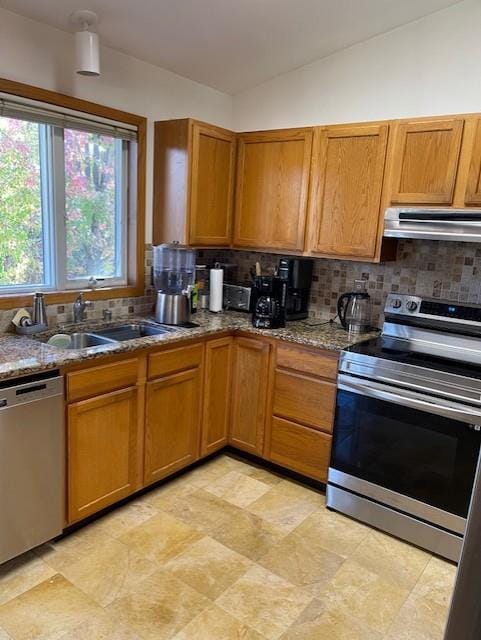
37, 54
429, 67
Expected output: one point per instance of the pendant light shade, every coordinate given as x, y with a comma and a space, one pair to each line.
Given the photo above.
87, 57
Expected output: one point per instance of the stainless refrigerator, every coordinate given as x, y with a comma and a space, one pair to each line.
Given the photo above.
464, 621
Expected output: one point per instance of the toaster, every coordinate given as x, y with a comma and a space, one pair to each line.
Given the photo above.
237, 297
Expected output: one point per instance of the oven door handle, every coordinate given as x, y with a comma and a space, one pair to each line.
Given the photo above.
409, 399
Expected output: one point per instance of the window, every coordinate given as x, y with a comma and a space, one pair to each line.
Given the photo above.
66, 199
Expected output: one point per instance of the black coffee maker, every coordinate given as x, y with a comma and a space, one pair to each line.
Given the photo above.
269, 302
297, 272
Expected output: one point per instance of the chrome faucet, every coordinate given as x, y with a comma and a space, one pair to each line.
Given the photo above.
79, 307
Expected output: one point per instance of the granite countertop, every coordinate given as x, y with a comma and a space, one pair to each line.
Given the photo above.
20, 355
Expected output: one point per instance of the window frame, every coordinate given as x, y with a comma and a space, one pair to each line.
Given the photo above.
134, 232
121, 212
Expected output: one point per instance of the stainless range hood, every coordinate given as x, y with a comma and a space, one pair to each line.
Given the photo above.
462, 225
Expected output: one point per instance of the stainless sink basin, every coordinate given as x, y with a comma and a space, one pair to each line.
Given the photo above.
131, 331
83, 340
111, 335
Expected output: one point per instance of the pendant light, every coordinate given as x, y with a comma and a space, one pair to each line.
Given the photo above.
87, 58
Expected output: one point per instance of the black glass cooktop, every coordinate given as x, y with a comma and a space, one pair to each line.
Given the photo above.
392, 349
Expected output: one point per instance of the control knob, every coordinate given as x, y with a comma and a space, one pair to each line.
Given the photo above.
396, 303
411, 305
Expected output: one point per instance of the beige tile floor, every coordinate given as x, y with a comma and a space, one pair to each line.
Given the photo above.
227, 551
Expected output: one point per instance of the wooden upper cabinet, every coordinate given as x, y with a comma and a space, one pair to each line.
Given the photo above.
272, 188
472, 178
194, 172
212, 186
424, 160
249, 394
346, 188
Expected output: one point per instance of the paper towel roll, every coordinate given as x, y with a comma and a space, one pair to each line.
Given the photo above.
216, 289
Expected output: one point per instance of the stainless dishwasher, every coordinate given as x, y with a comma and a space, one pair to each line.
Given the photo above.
32, 467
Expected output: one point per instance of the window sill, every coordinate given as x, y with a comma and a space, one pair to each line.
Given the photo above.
13, 301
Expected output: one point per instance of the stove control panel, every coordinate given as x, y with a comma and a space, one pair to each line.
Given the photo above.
406, 305
451, 310
402, 304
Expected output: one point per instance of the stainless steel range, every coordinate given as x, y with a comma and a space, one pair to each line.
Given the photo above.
408, 423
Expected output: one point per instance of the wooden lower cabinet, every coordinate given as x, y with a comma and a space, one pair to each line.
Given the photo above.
249, 394
102, 451
217, 389
190, 401
172, 423
303, 404
299, 448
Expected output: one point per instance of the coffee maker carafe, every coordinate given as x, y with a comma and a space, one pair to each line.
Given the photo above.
354, 308
174, 277
298, 274
269, 302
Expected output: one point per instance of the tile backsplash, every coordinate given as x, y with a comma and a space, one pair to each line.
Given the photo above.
120, 307
434, 269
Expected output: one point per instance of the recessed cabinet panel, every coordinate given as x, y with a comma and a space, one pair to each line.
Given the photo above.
172, 424
217, 393
272, 184
213, 158
473, 187
346, 189
425, 161
102, 451
249, 394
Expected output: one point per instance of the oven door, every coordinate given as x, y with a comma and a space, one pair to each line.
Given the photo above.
410, 444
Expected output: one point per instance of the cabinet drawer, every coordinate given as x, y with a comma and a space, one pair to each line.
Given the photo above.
180, 359
304, 399
97, 380
316, 362
300, 448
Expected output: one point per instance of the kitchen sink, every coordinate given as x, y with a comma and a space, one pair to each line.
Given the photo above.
109, 335
131, 331
83, 340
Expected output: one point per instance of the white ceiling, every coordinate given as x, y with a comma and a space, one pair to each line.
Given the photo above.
232, 45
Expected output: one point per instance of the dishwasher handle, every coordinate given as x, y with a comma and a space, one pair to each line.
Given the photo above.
31, 391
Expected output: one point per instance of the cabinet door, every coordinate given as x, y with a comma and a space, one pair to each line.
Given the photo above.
346, 189
249, 394
272, 185
172, 423
217, 385
473, 186
212, 184
102, 451
425, 161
